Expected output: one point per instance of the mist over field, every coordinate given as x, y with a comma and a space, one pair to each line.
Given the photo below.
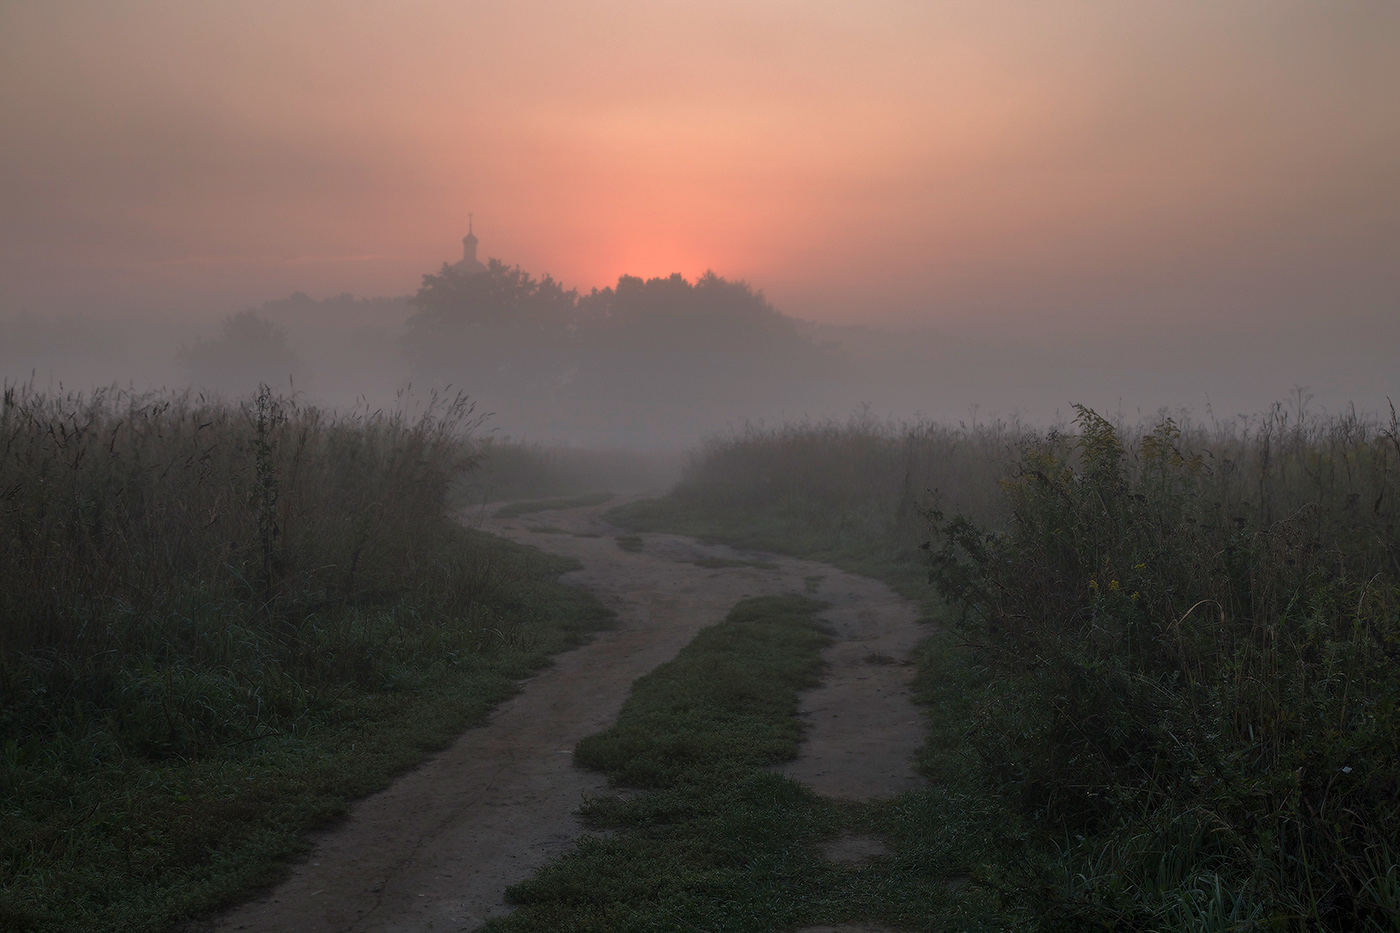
659, 363
909, 464
960, 211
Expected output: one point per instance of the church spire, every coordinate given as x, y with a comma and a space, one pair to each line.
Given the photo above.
469, 261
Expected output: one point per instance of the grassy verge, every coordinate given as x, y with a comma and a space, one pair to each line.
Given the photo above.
1177, 646
123, 842
531, 506
220, 623
717, 840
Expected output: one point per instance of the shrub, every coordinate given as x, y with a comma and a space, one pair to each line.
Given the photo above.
1195, 647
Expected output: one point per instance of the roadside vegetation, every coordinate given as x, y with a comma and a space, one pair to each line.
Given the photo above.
706, 836
221, 622
853, 493
1176, 646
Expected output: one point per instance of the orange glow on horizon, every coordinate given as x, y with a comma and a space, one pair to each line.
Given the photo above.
911, 158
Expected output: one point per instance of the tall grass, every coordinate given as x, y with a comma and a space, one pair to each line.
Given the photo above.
217, 542
1196, 634
1190, 634
196, 598
856, 488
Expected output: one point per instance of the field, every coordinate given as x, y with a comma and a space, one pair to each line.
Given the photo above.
1177, 645
221, 622
1163, 693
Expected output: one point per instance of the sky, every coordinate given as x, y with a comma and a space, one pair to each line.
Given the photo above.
1059, 169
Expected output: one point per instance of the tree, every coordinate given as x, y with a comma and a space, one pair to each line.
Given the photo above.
250, 350
464, 316
502, 336
663, 358
669, 314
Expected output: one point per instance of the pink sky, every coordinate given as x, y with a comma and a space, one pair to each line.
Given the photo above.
1054, 165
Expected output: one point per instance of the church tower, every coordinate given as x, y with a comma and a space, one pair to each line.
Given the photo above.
470, 264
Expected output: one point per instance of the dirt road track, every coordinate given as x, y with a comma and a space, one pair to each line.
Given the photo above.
437, 849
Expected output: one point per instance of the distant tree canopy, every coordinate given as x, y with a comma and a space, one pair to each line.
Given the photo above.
714, 314
461, 311
626, 360
249, 350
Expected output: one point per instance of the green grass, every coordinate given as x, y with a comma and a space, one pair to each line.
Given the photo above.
531, 506
96, 837
1175, 666
219, 623
719, 841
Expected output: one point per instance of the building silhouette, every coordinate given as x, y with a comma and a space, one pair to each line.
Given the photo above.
470, 264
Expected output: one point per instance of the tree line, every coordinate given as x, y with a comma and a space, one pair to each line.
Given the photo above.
645, 359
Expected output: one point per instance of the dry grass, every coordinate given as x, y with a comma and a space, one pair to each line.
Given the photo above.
1189, 638
251, 611
1195, 633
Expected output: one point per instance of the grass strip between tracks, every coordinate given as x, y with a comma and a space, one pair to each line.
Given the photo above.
716, 840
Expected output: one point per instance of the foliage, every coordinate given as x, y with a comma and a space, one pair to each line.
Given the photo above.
1196, 653
1179, 664
502, 304
220, 622
250, 350
714, 314
614, 364
850, 491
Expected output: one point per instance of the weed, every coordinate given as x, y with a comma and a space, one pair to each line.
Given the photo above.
1198, 657
218, 623
1179, 644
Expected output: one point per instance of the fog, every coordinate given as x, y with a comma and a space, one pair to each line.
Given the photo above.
952, 210
659, 363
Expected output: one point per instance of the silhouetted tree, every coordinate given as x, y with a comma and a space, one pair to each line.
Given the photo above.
465, 317
663, 358
501, 335
668, 314
250, 350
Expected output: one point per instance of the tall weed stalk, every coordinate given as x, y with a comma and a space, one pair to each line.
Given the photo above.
181, 572
1195, 636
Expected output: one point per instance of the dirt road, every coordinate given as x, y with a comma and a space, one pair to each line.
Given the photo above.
437, 849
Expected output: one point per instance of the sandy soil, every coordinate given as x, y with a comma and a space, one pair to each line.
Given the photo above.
437, 849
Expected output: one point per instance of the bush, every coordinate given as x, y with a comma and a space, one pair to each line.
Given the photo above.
1195, 647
